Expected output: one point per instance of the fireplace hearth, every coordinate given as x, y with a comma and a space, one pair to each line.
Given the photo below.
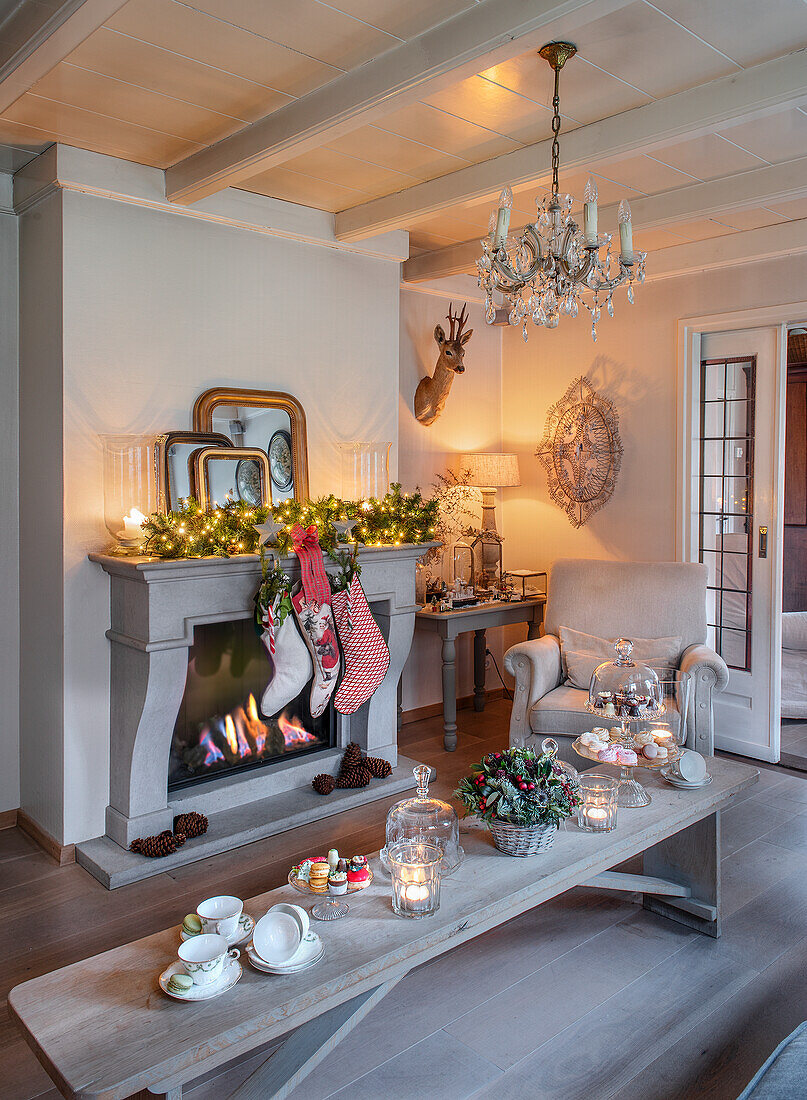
220, 727
159, 613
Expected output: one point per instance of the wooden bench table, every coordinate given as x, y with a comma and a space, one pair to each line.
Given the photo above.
102, 1027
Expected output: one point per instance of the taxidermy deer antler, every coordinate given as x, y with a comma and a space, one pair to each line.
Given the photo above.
432, 392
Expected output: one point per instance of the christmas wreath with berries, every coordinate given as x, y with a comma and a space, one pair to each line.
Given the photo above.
520, 787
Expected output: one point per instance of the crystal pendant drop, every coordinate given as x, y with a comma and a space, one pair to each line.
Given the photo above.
490, 311
524, 333
630, 294
594, 333
574, 308
552, 320
610, 307
512, 317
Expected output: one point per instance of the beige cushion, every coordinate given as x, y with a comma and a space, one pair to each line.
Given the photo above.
562, 710
581, 653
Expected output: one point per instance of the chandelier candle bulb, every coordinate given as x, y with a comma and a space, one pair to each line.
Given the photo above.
590, 211
625, 232
503, 217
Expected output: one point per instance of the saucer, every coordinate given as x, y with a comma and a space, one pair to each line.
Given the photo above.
683, 784
242, 933
309, 952
229, 976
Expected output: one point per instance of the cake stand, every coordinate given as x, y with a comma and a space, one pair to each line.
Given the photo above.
630, 793
330, 906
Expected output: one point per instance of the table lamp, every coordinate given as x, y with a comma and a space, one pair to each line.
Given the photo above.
489, 471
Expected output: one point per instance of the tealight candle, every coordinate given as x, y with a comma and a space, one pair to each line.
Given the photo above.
415, 870
597, 810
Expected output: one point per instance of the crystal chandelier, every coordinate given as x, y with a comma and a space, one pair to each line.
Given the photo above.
551, 267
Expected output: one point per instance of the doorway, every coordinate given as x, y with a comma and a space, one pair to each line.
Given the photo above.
794, 571
731, 481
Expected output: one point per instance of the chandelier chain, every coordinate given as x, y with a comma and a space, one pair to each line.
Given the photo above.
556, 134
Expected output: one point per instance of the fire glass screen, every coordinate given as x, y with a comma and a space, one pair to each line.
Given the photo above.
220, 727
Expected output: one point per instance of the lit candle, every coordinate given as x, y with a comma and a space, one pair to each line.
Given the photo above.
625, 231
132, 524
595, 815
416, 896
590, 211
503, 217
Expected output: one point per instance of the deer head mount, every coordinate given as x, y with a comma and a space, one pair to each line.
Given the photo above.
432, 392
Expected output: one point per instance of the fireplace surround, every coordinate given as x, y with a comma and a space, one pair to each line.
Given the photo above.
155, 606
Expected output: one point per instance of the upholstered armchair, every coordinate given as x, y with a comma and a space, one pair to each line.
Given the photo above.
612, 599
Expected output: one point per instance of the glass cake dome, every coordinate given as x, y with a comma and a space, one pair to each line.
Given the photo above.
623, 689
428, 819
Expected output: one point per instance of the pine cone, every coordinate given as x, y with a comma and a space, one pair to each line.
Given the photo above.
351, 758
323, 784
155, 847
378, 767
191, 824
354, 777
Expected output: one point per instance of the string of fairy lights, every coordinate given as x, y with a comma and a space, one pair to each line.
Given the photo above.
190, 531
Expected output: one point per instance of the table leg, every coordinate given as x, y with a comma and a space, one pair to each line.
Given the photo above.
535, 624
480, 655
692, 858
449, 695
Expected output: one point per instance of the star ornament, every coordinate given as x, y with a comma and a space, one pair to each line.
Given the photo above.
268, 532
344, 530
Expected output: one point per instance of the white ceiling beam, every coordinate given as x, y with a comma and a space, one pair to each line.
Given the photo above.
750, 246
730, 100
763, 186
490, 32
58, 36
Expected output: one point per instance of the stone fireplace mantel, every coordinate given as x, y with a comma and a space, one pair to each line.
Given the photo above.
154, 607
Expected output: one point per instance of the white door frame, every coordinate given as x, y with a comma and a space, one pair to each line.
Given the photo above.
690, 330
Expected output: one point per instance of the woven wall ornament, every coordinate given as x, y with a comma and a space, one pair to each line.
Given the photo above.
581, 451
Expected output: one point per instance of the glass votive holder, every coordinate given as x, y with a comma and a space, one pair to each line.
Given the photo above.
415, 870
598, 803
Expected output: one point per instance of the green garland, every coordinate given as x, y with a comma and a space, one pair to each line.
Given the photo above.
192, 532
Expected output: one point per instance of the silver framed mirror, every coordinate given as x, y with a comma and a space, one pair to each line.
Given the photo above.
240, 473
171, 453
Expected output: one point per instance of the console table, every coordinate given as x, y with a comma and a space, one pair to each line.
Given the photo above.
103, 1029
449, 624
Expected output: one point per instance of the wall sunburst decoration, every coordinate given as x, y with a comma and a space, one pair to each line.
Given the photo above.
582, 451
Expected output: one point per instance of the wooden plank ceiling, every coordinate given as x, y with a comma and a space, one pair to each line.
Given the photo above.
161, 80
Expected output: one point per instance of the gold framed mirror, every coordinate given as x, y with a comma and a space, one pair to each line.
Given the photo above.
242, 473
172, 474
266, 420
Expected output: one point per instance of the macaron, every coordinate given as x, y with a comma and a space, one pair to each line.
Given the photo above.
661, 752
180, 983
650, 750
318, 876
192, 925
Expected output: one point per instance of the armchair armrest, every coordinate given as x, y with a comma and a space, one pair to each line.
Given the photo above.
710, 675
537, 669
794, 630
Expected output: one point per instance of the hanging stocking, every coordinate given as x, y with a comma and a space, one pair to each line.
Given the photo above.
312, 606
365, 651
291, 661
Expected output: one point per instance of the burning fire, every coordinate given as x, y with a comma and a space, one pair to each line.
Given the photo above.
244, 734
293, 733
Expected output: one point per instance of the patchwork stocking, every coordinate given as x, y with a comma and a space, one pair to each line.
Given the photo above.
365, 651
312, 606
291, 661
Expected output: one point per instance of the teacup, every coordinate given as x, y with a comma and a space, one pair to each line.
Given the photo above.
295, 911
276, 937
219, 915
689, 767
203, 957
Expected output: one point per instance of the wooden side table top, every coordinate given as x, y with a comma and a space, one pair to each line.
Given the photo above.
481, 616
103, 1029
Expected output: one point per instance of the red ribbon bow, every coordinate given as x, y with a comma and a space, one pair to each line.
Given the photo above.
304, 538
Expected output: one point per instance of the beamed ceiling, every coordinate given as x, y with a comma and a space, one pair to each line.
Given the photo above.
386, 113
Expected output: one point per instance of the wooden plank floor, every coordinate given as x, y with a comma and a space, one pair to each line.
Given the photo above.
586, 996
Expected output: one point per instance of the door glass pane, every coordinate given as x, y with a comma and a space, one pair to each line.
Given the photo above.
726, 502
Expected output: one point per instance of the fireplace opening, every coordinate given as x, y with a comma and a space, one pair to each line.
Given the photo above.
220, 727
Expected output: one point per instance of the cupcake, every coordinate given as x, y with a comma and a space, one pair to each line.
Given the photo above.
337, 882
357, 869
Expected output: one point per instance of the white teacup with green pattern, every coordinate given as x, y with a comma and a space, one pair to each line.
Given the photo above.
203, 957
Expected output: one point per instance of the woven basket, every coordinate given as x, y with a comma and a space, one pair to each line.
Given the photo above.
522, 840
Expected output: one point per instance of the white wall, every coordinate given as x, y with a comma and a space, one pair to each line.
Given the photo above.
9, 503
634, 364
471, 421
157, 308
